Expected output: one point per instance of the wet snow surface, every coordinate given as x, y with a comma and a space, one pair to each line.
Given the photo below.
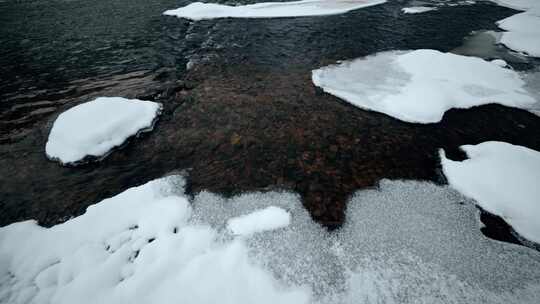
200, 10
504, 180
95, 127
407, 242
419, 86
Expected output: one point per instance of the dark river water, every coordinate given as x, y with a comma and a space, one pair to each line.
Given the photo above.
245, 116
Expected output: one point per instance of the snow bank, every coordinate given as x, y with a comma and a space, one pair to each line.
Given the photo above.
94, 128
137, 247
269, 218
504, 179
417, 9
200, 11
406, 242
419, 86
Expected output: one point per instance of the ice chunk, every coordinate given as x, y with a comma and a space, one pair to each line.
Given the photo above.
95, 127
417, 9
419, 86
269, 218
500, 63
200, 11
504, 179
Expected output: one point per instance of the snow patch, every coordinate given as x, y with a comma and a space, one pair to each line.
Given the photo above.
266, 219
504, 180
201, 11
417, 9
419, 86
95, 127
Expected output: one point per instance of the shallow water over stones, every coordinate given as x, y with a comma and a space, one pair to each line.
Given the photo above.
244, 117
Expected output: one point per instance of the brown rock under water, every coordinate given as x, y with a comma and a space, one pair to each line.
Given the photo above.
242, 128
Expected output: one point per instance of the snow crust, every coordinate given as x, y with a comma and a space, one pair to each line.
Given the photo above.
419, 86
95, 127
201, 11
406, 242
417, 9
269, 218
504, 179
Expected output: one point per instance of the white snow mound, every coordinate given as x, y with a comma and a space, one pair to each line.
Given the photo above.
504, 179
419, 86
417, 9
95, 127
201, 11
269, 218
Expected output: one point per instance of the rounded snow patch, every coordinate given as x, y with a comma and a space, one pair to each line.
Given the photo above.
90, 130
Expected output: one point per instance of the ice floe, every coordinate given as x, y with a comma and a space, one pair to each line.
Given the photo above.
523, 29
93, 128
405, 242
419, 86
269, 218
417, 9
200, 10
504, 179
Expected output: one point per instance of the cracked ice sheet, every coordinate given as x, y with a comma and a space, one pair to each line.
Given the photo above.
201, 11
407, 242
504, 180
419, 86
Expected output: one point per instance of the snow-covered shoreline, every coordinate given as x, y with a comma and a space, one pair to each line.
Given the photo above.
150, 244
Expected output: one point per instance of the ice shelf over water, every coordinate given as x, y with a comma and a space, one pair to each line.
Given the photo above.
406, 242
95, 127
419, 86
522, 31
504, 179
200, 10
